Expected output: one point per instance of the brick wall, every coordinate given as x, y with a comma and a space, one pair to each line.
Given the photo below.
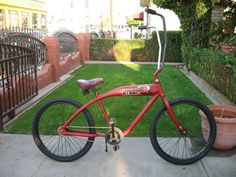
217, 13
49, 73
55, 67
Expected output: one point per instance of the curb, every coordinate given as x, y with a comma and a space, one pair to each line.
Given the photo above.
211, 93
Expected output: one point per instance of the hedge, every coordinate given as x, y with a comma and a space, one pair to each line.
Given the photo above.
216, 67
195, 19
136, 50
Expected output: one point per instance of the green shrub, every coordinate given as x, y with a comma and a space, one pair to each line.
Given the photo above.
136, 50
195, 19
217, 68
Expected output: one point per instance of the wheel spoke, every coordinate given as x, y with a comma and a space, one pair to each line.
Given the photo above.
55, 145
170, 144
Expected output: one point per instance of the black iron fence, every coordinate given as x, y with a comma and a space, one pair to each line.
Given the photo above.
67, 42
18, 79
26, 38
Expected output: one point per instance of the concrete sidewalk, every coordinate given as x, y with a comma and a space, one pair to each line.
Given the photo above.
19, 157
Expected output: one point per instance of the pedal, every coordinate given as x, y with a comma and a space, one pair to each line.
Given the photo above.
116, 147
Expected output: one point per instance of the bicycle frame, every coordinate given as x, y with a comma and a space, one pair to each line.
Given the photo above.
153, 90
72, 139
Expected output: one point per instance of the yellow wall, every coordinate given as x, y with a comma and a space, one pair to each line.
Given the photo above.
21, 9
37, 6
23, 6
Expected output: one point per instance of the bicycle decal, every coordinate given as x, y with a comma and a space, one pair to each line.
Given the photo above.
140, 90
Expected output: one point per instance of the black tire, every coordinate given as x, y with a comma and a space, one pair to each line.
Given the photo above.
180, 149
53, 144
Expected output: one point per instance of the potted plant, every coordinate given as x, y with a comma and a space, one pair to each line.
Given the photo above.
225, 117
229, 45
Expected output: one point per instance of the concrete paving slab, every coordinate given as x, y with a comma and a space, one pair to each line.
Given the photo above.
221, 163
21, 158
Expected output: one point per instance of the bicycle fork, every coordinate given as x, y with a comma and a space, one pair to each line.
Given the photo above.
172, 116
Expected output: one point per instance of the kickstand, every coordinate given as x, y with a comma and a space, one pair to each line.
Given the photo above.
106, 149
116, 147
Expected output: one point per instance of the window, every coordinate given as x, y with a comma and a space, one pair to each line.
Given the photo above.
25, 20
2, 19
13, 18
43, 21
35, 20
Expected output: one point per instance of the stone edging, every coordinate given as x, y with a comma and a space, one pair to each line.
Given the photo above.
211, 93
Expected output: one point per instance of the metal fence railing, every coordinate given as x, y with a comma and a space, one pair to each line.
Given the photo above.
26, 38
18, 79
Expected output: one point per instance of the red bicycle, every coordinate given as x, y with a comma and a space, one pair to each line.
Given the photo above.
72, 133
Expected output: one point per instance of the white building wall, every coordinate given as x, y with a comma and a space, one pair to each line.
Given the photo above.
87, 15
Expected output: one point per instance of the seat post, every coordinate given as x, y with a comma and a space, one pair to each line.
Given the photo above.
95, 91
101, 105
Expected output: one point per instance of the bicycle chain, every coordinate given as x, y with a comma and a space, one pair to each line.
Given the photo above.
86, 127
116, 147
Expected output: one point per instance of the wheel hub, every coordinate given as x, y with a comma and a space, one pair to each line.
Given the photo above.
61, 131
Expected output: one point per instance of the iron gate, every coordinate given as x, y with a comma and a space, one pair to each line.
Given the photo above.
26, 38
18, 79
67, 42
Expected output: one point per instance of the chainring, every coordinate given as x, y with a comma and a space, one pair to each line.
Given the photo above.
114, 140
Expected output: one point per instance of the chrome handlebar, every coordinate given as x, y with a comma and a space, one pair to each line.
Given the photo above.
162, 49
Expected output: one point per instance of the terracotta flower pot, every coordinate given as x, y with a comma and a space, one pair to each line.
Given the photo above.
225, 117
227, 48
229, 29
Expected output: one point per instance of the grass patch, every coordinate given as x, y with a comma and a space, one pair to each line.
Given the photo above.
124, 109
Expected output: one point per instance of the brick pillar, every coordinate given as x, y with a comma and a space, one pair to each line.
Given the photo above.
81, 46
87, 39
52, 45
217, 13
84, 45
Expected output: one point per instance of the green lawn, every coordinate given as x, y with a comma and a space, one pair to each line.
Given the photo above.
124, 109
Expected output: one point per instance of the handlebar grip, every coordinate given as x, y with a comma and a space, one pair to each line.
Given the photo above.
142, 27
150, 11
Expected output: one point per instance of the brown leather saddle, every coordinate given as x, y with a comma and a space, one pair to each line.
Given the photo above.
89, 84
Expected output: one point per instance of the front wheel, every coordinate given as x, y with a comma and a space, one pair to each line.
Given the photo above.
179, 148
46, 125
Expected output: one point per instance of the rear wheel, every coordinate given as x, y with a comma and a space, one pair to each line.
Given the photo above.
45, 130
175, 147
